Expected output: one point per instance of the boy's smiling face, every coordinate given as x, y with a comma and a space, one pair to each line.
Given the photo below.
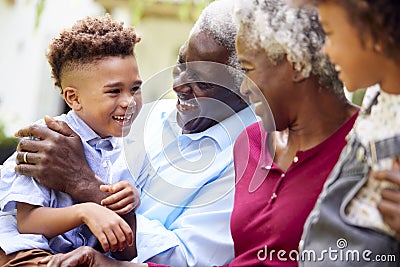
101, 94
358, 61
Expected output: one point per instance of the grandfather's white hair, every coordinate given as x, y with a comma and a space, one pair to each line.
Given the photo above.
217, 20
286, 31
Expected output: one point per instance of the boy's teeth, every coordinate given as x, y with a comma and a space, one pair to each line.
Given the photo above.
123, 118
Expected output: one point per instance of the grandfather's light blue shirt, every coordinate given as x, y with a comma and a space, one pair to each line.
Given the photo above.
104, 158
187, 187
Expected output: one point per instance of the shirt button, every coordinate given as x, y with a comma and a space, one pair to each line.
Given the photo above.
301, 244
282, 175
104, 164
360, 154
295, 159
348, 136
348, 150
268, 167
274, 195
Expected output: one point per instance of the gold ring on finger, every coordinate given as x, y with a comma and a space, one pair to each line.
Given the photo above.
25, 158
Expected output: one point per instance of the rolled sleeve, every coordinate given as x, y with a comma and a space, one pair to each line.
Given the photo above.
199, 236
153, 238
19, 188
11, 240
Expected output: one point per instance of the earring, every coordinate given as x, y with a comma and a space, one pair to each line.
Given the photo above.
377, 48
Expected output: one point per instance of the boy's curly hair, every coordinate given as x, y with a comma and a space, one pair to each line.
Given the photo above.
88, 40
380, 18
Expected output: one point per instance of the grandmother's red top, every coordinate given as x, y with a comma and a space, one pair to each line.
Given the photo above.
271, 206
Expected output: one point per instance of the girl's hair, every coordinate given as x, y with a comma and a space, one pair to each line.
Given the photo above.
89, 40
284, 31
379, 18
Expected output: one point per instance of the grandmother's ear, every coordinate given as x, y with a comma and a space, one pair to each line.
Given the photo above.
298, 75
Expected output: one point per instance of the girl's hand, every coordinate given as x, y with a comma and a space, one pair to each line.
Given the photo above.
124, 197
390, 203
113, 233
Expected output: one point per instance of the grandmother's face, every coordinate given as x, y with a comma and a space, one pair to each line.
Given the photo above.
202, 104
268, 85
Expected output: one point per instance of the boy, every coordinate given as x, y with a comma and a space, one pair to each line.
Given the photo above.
93, 64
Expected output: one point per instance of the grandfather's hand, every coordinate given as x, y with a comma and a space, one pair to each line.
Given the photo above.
85, 256
390, 203
56, 159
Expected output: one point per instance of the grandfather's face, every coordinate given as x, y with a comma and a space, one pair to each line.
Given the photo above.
202, 103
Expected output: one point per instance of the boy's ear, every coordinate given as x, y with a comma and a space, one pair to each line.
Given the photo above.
71, 97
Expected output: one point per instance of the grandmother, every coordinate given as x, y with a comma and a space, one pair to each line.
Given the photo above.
280, 169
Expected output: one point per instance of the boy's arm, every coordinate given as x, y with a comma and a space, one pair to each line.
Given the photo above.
113, 233
49, 222
124, 200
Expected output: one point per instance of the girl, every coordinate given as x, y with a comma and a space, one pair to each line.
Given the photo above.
362, 41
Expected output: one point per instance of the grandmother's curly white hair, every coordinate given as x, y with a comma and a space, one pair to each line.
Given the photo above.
288, 31
217, 20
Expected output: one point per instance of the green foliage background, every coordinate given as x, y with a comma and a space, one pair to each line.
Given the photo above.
187, 10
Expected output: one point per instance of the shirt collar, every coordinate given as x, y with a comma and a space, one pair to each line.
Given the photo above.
226, 132
86, 133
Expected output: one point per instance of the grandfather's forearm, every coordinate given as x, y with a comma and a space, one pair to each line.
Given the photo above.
131, 252
86, 188
56, 159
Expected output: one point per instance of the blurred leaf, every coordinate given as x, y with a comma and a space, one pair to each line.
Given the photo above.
188, 10
184, 10
8, 144
199, 7
39, 11
4, 139
136, 8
